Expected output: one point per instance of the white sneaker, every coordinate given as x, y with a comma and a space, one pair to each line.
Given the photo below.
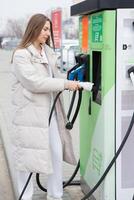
52, 198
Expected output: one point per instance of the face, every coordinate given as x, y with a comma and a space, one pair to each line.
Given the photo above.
44, 34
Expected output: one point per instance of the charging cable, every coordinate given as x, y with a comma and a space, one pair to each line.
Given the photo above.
69, 126
112, 161
88, 195
131, 74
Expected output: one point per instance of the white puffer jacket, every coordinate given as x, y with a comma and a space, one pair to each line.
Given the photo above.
31, 101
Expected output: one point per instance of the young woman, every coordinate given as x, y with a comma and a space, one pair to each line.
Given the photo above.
38, 147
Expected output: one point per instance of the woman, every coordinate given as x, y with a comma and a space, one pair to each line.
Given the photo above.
39, 148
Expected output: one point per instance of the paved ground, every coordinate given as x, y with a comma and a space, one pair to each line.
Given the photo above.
71, 192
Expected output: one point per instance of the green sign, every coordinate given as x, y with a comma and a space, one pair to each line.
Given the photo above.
97, 27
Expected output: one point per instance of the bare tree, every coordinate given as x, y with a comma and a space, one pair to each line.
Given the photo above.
14, 28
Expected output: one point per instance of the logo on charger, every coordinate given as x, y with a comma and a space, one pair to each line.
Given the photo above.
127, 46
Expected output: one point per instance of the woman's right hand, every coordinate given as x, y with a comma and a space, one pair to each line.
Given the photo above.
72, 85
76, 85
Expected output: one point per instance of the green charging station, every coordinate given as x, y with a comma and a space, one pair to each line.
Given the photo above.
105, 113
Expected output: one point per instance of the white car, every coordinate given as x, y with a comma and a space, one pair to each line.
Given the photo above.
67, 56
10, 44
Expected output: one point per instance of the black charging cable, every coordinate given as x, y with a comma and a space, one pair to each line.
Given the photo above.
88, 195
69, 126
65, 183
69, 182
71, 105
25, 186
70, 123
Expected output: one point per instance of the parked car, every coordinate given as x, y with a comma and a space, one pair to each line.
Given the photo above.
67, 55
10, 44
4, 41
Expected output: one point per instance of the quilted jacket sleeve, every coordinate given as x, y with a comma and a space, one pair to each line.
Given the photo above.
30, 77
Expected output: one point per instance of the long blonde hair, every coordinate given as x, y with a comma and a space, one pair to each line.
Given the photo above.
33, 30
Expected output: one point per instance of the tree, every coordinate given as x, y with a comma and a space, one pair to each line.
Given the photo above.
14, 28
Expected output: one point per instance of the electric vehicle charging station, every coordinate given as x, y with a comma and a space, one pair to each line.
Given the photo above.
105, 114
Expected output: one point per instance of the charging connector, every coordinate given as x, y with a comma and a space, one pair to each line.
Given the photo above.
131, 74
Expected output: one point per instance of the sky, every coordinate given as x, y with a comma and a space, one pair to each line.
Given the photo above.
17, 8
21, 8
